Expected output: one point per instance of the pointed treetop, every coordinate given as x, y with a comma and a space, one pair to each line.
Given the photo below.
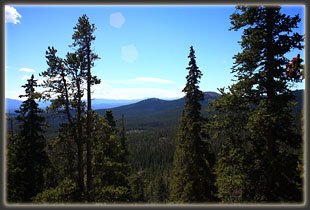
83, 34
30, 88
193, 94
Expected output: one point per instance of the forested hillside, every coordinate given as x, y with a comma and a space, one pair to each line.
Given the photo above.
154, 112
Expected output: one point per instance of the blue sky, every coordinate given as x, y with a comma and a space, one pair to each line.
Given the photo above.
143, 49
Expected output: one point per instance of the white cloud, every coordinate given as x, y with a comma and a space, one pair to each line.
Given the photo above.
25, 77
103, 90
14, 94
27, 70
40, 81
136, 93
153, 80
11, 15
142, 80
129, 53
117, 20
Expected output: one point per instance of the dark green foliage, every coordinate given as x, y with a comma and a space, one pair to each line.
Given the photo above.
231, 173
124, 157
109, 168
65, 78
112, 194
65, 192
228, 123
192, 178
154, 113
266, 137
63, 153
10, 124
161, 192
193, 96
110, 119
192, 174
27, 159
151, 147
151, 156
137, 186
83, 38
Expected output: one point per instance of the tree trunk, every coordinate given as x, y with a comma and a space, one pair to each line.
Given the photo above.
270, 89
80, 167
79, 141
88, 129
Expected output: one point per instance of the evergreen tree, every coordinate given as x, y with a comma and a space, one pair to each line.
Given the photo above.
123, 155
192, 174
160, 191
110, 170
110, 119
123, 142
228, 120
83, 38
27, 158
10, 119
77, 69
63, 86
274, 144
65, 192
137, 185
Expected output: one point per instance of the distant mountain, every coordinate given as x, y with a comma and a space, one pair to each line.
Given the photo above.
154, 105
111, 103
299, 94
146, 114
14, 104
11, 105
154, 112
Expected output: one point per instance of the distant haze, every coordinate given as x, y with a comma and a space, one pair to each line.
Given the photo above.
97, 103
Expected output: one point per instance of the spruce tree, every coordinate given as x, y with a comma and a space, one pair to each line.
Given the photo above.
160, 191
110, 169
260, 69
27, 158
123, 142
192, 174
228, 120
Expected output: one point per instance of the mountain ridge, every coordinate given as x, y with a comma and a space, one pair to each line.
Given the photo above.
14, 104
152, 113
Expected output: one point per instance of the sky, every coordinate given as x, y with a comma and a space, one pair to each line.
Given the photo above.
143, 49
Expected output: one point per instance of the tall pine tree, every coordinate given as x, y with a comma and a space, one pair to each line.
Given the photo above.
192, 174
271, 137
27, 158
83, 38
63, 83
